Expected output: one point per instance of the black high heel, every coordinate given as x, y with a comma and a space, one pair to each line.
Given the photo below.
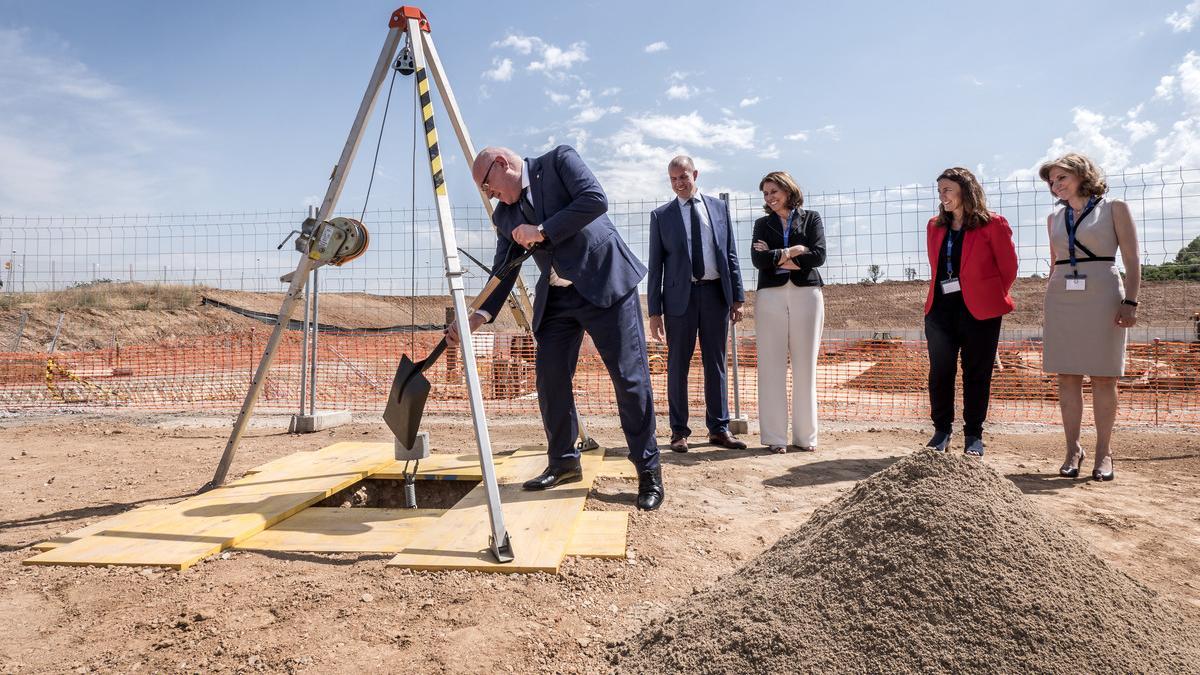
1099, 475
1073, 472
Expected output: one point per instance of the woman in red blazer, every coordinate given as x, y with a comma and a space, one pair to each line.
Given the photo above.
973, 264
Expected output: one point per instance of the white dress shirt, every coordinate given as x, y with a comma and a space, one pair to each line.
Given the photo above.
708, 243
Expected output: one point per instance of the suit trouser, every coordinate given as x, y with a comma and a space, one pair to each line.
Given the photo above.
707, 314
788, 319
620, 338
950, 330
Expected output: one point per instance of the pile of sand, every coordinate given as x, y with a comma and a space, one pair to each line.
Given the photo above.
936, 563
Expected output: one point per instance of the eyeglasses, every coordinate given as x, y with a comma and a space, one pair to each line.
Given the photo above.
484, 187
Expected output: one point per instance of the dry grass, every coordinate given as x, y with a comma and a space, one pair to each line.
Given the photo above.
109, 295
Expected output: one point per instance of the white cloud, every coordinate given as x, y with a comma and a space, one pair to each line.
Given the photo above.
521, 43
681, 92
1184, 21
502, 70
770, 152
555, 58
556, 98
747, 102
549, 59
831, 131
1189, 80
1165, 91
611, 91
1110, 140
73, 141
659, 46
1140, 129
693, 130
593, 113
633, 163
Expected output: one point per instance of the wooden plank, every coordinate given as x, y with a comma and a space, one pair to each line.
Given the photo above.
442, 467
119, 521
199, 526
600, 534
539, 523
334, 530
616, 466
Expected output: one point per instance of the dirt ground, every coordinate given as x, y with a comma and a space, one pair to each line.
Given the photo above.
348, 613
890, 305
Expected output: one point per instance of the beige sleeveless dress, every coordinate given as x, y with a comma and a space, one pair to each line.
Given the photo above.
1080, 333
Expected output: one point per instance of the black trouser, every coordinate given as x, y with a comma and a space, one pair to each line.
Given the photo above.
949, 330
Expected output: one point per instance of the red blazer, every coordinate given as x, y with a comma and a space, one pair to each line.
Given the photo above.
988, 270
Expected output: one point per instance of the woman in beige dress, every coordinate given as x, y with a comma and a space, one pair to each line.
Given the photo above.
1088, 309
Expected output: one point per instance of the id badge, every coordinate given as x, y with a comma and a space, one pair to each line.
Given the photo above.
951, 286
1076, 282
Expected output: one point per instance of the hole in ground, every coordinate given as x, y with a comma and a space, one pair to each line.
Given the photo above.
389, 494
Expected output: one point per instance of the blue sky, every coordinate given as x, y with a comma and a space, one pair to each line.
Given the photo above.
170, 107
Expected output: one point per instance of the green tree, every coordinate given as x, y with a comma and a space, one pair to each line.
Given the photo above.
1186, 265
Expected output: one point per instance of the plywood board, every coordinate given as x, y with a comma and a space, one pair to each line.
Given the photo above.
600, 534
334, 530
539, 522
443, 467
121, 520
597, 534
616, 466
199, 526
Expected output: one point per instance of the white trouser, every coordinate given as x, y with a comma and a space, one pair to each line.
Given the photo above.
788, 318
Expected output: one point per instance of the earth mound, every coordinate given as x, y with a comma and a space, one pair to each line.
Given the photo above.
937, 563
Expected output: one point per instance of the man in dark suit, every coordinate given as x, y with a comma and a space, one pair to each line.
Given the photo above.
588, 284
696, 284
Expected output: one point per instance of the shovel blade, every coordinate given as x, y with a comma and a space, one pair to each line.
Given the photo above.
406, 402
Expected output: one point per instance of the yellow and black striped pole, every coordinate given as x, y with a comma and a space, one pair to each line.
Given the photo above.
431, 139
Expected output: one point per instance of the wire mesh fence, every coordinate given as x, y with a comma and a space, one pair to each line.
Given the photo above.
93, 314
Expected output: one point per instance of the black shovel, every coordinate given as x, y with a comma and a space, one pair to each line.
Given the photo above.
410, 389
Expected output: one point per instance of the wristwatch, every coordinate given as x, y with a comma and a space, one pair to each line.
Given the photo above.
1127, 301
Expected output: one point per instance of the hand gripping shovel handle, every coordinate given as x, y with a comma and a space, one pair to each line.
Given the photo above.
483, 297
410, 389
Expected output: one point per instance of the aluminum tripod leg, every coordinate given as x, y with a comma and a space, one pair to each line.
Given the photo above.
501, 545
336, 181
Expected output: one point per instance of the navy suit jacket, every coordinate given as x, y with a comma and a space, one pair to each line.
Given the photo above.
670, 285
581, 242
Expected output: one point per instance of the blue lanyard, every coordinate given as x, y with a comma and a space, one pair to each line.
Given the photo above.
1073, 226
787, 229
949, 253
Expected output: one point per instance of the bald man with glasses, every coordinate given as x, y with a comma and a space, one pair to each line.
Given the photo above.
588, 284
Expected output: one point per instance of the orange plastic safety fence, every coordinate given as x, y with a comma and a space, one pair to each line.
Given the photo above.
857, 379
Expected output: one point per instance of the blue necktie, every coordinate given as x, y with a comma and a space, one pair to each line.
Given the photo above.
697, 244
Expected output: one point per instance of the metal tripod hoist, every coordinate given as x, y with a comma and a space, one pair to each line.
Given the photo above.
335, 241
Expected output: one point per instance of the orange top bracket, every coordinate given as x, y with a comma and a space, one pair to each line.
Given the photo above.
401, 16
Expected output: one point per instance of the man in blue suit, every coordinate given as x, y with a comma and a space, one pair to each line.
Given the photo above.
588, 284
696, 283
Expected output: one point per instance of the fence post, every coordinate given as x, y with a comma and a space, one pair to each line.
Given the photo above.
737, 424
316, 329
1154, 370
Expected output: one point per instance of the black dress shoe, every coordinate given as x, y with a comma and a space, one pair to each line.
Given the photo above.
650, 490
553, 476
724, 439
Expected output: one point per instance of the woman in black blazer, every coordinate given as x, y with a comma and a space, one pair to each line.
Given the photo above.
789, 311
